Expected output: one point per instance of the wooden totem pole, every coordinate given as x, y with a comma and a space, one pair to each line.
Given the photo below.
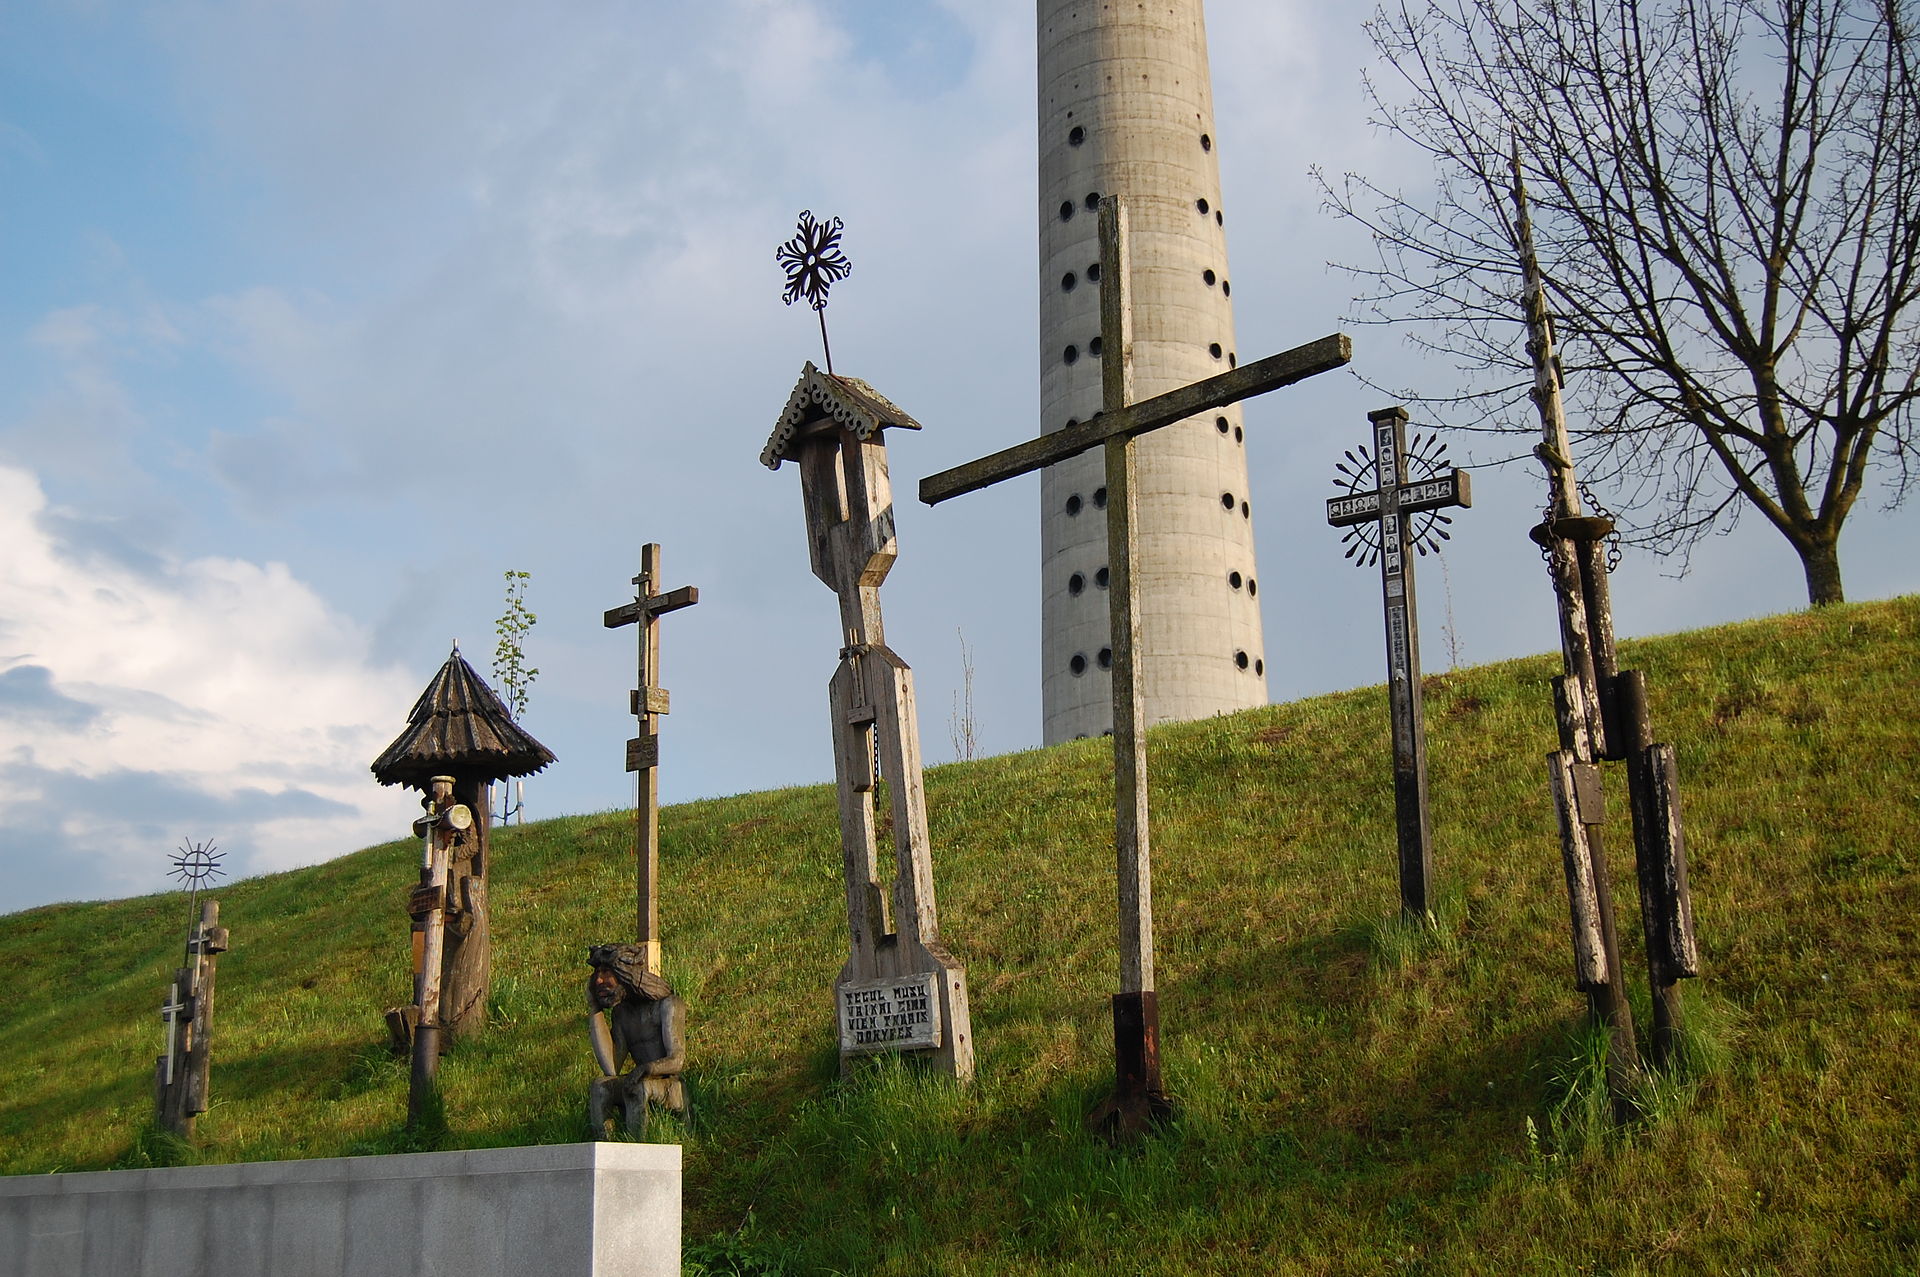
1602, 715
459, 739
900, 989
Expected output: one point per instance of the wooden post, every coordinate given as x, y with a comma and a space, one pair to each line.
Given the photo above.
648, 702
433, 888
1138, 1100
1394, 501
1570, 539
1666, 906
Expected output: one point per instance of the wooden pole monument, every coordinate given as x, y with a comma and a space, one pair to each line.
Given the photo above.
1602, 716
1139, 1099
649, 702
1381, 521
900, 989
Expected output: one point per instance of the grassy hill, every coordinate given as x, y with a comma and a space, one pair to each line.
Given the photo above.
1353, 1097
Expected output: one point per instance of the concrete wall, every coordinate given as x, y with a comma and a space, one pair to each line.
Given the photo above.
1126, 108
591, 1210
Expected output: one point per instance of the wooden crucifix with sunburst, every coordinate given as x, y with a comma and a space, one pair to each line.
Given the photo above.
1380, 523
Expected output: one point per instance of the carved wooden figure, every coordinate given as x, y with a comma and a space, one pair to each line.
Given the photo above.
831, 428
181, 1076
633, 1016
1139, 1100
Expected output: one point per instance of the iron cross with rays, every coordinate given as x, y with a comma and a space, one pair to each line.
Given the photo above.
1385, 524
814, 264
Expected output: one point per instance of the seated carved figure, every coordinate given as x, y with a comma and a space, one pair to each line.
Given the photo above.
633, 1014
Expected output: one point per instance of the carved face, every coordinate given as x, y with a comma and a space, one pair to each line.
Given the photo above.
604, 989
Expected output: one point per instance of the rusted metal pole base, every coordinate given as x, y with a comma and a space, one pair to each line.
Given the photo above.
1138, 1103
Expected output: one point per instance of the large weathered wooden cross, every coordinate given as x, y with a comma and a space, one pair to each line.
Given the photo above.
1396, 496
1139, 1098
648, 702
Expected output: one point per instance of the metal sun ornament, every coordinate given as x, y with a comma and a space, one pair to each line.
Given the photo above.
814, 264
195, 864
1426, 459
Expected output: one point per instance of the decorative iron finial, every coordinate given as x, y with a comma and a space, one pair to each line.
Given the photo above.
197, 863
1426, 459
814, 264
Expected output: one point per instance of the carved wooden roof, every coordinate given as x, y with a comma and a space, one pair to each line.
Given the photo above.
847, 401
459, 727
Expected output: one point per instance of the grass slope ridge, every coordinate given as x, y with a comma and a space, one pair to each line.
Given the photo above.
1352, 1098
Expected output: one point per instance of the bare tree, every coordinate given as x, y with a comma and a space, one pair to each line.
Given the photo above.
1726, 200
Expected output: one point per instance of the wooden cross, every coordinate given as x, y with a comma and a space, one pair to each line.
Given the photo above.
1394, 498
1138, 1099
648, 701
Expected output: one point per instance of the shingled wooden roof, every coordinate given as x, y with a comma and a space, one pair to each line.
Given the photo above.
824, 396
459, 727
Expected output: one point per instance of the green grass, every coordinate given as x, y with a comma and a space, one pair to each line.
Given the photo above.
1354, 1095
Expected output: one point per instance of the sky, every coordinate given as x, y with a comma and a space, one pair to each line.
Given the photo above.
317, 316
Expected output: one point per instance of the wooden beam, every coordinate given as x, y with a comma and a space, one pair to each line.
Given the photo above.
656, 605
1257, 378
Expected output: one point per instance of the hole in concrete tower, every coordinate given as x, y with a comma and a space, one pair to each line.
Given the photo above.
1073, 504
1067, 281
1075, 584
1233, 579
1202, 205
1079, 663
1233, 360
1093, 200
1219, 218
1226, 501
1259, 666
1093, 347
1220, 424
1072, 422
1070, 354
1100, 498
1066, 209
1239, 658
1226, 288
1093, 272
1253, 587
1239, 435
1213, 348
1105, 658
1076, 135
1100, 578
1246, 511
1209, 276
1206, 142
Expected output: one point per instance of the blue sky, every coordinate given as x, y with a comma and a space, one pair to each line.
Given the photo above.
316, 316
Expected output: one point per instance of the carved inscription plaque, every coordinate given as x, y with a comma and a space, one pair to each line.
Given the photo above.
901, 1014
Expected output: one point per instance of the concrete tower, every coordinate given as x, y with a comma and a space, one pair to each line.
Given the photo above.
1126, 108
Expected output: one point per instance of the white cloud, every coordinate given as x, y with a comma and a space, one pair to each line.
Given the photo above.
135, 696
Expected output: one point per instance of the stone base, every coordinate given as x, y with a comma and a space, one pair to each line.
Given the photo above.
591, 1210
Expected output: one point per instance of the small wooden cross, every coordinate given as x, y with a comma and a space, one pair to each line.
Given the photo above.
1138, 1098
648, 701
1391, 503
